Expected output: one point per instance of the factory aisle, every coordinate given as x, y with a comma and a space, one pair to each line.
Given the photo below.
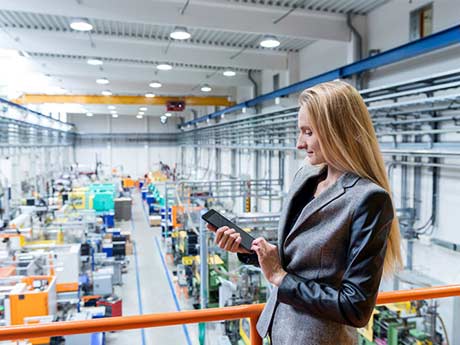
149, 290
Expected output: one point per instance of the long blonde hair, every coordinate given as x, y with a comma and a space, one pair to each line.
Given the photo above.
347, 139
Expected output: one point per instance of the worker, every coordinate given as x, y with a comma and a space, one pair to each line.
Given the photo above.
337, 233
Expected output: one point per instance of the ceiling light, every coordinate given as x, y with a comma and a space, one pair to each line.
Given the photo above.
277, 100
102, 81
149, 95
115, 115
206, 88
113, 112
106, 93
229, 72
155, 84
140, 113
143, 108
139, 116
112, 107
180, 33
168, 114
89, 114
269, 41
94, 62
163, 119
164, 67
81, 25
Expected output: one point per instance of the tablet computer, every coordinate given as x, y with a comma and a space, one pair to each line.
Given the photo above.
216, 219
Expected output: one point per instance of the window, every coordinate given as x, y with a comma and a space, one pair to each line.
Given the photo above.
276, 82
421, 22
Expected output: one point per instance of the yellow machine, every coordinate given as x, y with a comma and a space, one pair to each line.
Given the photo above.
245, 331
80, 199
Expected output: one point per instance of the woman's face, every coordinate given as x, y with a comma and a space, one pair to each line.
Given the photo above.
308, 140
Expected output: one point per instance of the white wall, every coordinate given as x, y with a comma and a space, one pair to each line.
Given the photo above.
388, 27
35, 166
133, 159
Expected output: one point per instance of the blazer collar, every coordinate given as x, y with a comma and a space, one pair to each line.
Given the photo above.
345, 181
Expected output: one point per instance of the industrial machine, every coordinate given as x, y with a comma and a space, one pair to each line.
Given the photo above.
409, 323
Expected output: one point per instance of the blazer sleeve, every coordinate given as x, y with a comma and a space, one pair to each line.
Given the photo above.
353, 301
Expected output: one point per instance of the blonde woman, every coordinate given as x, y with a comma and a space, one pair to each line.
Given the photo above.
338, 232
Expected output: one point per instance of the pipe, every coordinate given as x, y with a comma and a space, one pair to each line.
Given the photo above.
425, 45
256, 89
195, 316
359, 49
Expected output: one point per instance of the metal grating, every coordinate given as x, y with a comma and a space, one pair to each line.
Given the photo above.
331, 6
132, 61
37, 21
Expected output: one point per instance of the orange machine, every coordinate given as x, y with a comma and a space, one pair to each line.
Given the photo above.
33, 296
175, 211
128, 183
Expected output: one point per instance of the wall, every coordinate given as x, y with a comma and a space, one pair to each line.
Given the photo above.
388, 27
133, 159
34, 167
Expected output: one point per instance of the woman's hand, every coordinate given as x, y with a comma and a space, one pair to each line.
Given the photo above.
269, 260
228, 239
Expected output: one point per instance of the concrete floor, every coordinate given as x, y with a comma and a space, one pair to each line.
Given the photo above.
146, 288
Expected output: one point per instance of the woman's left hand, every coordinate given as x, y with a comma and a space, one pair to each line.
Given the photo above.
269, 260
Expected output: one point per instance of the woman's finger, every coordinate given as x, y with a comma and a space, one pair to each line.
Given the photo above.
220, 233
236, 244
211, 227
258, 240
231, 241
225, 237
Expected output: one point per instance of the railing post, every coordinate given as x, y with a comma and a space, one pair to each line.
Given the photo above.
255, 337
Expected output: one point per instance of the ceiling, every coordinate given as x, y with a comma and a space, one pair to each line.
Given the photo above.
132, 37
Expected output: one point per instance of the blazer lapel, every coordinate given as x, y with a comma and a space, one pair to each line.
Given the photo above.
298, 185
325, 198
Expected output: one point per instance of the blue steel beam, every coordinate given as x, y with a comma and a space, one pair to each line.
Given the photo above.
21, 107
433, 42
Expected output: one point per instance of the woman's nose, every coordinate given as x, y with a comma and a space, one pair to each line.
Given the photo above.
301, 144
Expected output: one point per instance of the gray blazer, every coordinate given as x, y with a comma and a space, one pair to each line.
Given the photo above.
334, 258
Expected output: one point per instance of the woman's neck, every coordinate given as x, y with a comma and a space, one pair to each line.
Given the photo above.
332, 176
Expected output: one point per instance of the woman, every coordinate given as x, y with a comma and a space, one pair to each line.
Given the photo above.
337, 232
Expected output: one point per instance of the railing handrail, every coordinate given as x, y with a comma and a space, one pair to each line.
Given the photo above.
195, 316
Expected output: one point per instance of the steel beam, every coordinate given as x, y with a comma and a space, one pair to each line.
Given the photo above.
431, 43
136, 100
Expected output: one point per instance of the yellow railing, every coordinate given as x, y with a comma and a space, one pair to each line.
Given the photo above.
207, 315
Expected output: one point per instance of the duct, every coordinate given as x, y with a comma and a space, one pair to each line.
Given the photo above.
428, 44
358, 49
256, 89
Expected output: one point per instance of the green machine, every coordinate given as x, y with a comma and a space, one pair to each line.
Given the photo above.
397, 324
103, 195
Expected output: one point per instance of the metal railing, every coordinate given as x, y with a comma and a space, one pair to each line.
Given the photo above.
185, 317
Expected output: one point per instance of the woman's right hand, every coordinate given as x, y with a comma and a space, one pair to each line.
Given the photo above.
228, 239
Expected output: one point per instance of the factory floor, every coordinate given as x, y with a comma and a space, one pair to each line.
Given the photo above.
149, 287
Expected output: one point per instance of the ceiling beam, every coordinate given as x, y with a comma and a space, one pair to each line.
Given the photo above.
66, 67
126, 100
223, 16
119, 47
